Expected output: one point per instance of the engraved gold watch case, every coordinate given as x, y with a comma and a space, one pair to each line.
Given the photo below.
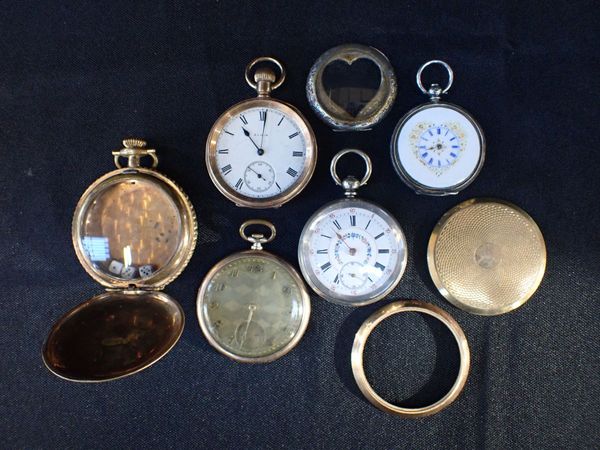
253, 306
486, 256
264, 81
134, 231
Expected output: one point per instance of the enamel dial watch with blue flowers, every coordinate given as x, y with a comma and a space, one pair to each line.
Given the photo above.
437, 148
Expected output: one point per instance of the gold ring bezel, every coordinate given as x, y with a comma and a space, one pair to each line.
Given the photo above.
373, 321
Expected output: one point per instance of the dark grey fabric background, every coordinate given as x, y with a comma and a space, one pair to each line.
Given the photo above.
76, 78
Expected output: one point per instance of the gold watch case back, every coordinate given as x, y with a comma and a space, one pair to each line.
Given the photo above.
134, 231
486, 256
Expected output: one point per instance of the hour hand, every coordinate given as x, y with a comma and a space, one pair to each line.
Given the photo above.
247, 133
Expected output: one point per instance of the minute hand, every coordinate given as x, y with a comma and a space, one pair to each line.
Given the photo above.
262, 138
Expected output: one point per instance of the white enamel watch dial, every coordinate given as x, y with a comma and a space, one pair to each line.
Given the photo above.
261, 152
437, 148
352, 251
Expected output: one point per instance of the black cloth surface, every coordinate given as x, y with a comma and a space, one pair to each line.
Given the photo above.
76, 78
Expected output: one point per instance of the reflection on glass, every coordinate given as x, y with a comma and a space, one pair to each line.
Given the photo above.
352, 87
253, 307
131, 229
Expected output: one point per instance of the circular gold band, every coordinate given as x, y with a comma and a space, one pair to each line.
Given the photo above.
409, 306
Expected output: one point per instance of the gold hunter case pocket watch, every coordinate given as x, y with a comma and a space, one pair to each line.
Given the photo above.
351, 251
253, 306
134, 231
437, 148
261, 152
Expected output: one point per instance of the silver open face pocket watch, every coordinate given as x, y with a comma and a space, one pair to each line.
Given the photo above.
437, 148
134, 231
261, 152
253, 306
352, 251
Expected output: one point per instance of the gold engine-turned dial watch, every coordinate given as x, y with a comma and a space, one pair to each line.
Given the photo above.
261, 152
253, 306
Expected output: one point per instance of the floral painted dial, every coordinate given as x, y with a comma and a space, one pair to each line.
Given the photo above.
438, 147
352, 252
261, 152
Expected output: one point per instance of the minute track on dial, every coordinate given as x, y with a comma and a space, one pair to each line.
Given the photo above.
353, 247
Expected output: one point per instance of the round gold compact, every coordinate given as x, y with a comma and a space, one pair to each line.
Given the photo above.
486, 256
360, 341
134, 231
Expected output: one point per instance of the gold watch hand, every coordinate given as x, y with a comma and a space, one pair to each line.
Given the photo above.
251, 308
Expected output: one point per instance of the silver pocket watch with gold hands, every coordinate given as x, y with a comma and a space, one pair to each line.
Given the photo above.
352, 251
134, 231
253, 306
261, 152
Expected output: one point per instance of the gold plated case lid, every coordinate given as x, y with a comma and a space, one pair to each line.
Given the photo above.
486, 256
121, 231
113, 335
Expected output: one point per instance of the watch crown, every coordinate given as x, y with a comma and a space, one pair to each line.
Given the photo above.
435, 91
134, 150
134, 143
264, 79
264, 74
350, 185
